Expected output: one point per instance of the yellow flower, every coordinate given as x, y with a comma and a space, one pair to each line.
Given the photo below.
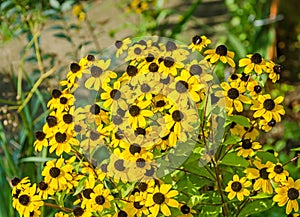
247, 148
100, 198
44, 190
274, 71
137, 114
199, 42
41, 141
254, 88
238, 188
78, 11
186, 211
169, 66
277, 172
176, 51
268, 108
122, 46
160, 200
62, 142
267, 125
253, 61
220, 53
136, 52
288, 193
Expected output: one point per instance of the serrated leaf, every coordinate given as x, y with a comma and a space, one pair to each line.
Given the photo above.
231, 159
256, 206
239, 119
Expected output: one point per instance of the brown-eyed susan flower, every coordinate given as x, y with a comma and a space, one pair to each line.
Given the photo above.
136, 52
160, 200
117, 167
254, 88
261, 176
137, 114
122, 213
80, 212
61, 214
44, 190
136, 208
253, 62
146, 87
247, 148
274, 71
41, 141
288, 193
122, 46
78, 11
220, 53
267, 125
169, 66
91, 113
186, 210
176, 51
62, 142
57, 174
100, 198
234, 97
27, 202
277, 172
237, 187
199, 42
76, 69
137, 6
61, 101
268, 108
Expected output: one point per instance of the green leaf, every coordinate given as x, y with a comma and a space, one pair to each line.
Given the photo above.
231, 159
63, 35
80, 186
54, 3
266, 156
239, 119
236, 45
35, 159
232, 140
256, 206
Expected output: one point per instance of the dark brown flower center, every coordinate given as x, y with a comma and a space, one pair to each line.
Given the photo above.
140, 131
94, 135
236, 186
196, 40
115, 94
278, 169
103, 168
131, 70
78, 211
145, 88
121, 112
244, 77
95, 109
177, 115
119, 165
68, 118
87, 193
263, 173
277, 69
272, 123
169, 62
185, 209
40, 135
24, 199
234, 76
134, 110
160, 103
140, 162
117, 120
246, 144
119, 134
293, 194
96, 71
118, 44
137, 205
43, 186
77, 128
143, 186
269, 104
54, 172
56, 93
195, 70
15, 181
256, 58
90, 57
122, 214
74, 67
171, 46
257, 89
150, 172
150, 58
233, 93
100, 199
165, 80
137, 50
221, 50
158, 198
134, 148
181, 86
153, 67
60, 137
63, 100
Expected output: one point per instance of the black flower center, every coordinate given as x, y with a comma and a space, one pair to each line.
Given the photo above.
145, 88
263, 173
54, 172
165, 80
78, 211
131, 70
87, 193
245, 77
160, 103
134, 110
143, 186
122, 214
121, 112
96, 71
256, 58
169, 62
233, 93
15, 181
68, 118
56, 93
182, 86
115, 94
197, 40
150, 58
257, 89
40, 135
90, 57
158, 198
119, 134
246, 144
43, 186
195, 69
277, 69
63, 100
77, 128
153, 67
135, 148
232, 125
137, 205
117, 120
150, 172
185, 209
95, 109
234, 76
171, 46
272, 123
24, 199
140, 162
100, 199
103, 168
293, 194
177, 115
119, 165
94, 135
137, 50
236, 186
214, 98
60, 137
221, 50
269, 104
140, 131
118, 44
74, 67
278, 169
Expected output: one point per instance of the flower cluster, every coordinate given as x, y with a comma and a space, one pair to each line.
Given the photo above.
122, 123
